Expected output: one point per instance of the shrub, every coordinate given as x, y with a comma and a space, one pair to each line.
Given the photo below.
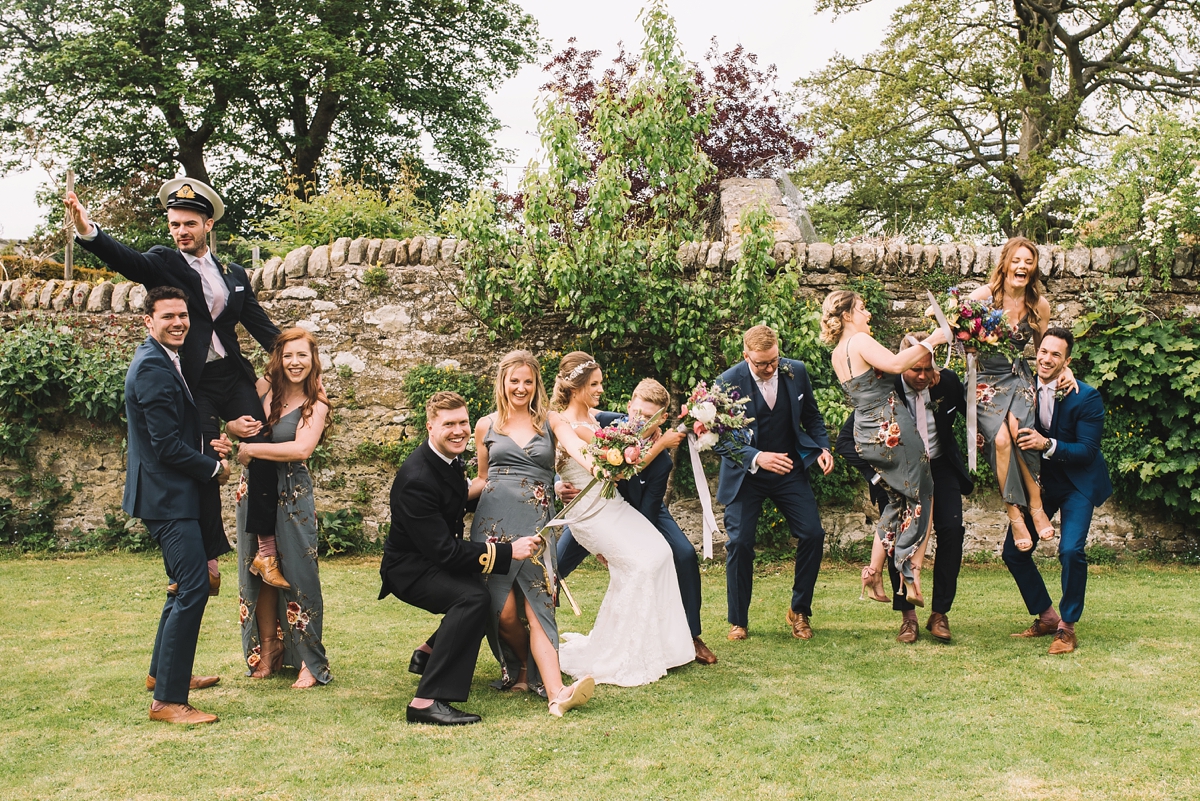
342, 532
376, 281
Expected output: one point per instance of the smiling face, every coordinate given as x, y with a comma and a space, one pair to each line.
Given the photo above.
1052, 358
168, 322
1020, 271
449, 430
190, 230
763, 363
592, 389
297, 360
520, 386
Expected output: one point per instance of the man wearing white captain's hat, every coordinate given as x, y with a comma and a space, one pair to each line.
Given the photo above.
219, 377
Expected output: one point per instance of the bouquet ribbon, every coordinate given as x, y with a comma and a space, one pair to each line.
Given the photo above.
972, 384
710, 520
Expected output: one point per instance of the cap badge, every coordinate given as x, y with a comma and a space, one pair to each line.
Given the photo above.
185, 192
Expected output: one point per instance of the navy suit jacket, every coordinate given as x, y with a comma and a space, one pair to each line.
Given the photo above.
646, 490
807, 424
948, 399
162, 266
1078, 426
166, 464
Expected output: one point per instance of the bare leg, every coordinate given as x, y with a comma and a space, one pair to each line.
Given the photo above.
544, 654
266, 613
514, 634
872, 574
913, 593
1004, 446
305, 680
1033, 491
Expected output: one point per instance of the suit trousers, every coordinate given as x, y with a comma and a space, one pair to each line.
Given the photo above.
179, 626
687, 564
948, 528
1076, 522
793, 496
226, 393
465, 603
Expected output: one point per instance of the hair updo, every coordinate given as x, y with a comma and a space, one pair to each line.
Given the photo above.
838, 303
574, 372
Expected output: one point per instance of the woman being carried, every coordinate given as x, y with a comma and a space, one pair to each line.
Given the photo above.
1006, 394
515, 448
283, 626
641, 629
886, 436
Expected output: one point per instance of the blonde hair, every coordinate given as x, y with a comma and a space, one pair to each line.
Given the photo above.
913, 338
574, 372
443, 401
538, 404
1033, 295
653, 392
837, 303
759, 338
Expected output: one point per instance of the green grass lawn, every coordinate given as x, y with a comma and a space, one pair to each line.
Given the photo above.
850, 715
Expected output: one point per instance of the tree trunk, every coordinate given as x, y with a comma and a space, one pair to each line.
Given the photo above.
1037, 71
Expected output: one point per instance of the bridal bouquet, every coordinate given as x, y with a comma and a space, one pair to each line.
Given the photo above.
617, 450
977, 324
717, 416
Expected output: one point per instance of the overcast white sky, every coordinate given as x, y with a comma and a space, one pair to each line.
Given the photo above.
787, 33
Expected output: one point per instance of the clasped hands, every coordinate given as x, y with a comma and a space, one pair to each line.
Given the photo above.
781, 463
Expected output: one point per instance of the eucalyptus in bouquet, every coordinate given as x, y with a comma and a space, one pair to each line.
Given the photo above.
978, 324
617, 450
717, 416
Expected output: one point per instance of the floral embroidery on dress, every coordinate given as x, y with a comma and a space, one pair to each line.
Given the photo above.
985, 393
243, 611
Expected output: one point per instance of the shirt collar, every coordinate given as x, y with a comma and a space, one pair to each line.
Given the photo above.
1044, 385
765, 382
197, 262
440, 455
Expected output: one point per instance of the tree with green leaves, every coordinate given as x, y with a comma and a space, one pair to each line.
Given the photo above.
237, 94
954, 124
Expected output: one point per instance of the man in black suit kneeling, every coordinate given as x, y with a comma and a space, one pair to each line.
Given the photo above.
427, 563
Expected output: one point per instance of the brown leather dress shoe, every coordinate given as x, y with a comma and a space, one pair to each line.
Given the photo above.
1064, 642
1038, 629
737, 633
799, 623
182, 713
703, 655
939, 626
267, 568
197, 682
214, 585
908, 632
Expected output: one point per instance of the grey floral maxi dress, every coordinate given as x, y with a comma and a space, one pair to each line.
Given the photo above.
885, 435
516, 501
301, 609
1006, 386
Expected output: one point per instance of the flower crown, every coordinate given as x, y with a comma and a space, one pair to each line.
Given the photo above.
579, 370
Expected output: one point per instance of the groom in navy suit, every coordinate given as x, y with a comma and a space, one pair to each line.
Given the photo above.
1074, 481
787, 437
166, 473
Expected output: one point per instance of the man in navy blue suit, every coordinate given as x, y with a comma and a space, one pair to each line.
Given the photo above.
787, 437
167, 471
1074, 481
645, 492
220, 379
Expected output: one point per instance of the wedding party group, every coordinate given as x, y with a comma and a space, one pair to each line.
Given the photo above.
189, 388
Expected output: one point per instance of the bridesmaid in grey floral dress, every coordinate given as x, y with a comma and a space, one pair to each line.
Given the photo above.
886, 436
516, 451
283, 626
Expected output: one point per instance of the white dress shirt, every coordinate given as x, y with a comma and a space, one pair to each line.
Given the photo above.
216, 295
933, 446
1046, 403
770, 392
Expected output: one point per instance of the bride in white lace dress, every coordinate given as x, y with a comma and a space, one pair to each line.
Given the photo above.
641, 629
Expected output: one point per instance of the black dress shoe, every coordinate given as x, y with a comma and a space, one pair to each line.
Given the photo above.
418, 662
440, 714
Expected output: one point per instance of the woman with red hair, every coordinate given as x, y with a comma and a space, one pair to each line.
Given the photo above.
282, 625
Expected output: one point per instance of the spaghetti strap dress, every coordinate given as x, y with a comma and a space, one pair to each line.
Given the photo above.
1006, 386
886, 436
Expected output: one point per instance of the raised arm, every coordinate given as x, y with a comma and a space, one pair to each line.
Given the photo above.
132, 264
883, 360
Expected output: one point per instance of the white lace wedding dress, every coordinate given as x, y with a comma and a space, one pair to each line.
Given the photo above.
641, 629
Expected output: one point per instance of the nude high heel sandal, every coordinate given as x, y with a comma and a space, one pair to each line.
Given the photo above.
1045, 532
872, 585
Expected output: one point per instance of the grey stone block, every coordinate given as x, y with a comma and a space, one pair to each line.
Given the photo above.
357, 253
1077, 261
1124, 259
820, 257
80, 295
120, 296
782, 253
402, 251
273, 277
387, 251
1181, 267
318, 263
862, 258
339, 252
429, 253
48, 290
101, 297
715, 253
33, 293
256, 280
447, 250
296, 263
843, 256
373, 248
461, 250
62, 300
5, 288
1102, 261
416, 246
931, 256
137, 296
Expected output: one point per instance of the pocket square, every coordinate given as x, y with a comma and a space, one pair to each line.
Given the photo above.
951, 410
800, 396
239, 288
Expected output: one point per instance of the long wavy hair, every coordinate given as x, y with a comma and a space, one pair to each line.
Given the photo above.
278, 380
539, 404
574, 372
1033, 295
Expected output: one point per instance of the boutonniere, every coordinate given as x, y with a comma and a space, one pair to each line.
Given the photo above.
1060, 393
786, 369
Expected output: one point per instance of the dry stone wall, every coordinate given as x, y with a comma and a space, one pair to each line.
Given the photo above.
370, 340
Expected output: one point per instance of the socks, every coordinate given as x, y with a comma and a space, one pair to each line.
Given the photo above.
212, 567
910, 615
266, 547
1062, 624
